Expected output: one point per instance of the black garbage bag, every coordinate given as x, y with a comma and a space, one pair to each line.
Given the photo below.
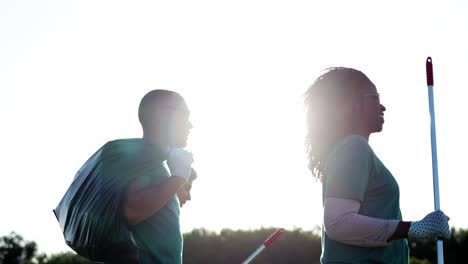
90, 213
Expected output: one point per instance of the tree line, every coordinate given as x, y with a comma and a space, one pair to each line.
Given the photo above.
233, 246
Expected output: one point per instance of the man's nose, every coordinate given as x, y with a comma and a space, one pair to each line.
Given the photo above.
383, 108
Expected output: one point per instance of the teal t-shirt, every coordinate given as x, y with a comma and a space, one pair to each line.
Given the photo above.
158, 238
353, 171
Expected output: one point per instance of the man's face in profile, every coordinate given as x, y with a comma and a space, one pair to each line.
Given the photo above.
178, 125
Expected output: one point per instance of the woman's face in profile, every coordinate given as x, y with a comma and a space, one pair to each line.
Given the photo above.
372, 109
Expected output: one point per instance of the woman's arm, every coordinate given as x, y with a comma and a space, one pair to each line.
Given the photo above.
344, 224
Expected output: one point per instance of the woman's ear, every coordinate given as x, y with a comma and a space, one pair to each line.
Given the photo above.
356, 112
353, 109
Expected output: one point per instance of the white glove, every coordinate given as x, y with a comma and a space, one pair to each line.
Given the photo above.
180, 163
432, 226
193, 175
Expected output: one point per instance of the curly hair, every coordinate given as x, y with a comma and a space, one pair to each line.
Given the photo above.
330, 104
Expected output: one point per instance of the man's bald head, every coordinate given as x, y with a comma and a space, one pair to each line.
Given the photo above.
164, 114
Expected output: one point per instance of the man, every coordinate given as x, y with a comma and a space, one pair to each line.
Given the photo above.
123, 195
150, 203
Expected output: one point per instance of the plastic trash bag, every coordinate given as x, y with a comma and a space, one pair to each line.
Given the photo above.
90, 213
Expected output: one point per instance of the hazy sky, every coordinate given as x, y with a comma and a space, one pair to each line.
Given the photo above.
72, 74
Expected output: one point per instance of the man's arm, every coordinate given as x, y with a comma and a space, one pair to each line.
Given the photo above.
141, 202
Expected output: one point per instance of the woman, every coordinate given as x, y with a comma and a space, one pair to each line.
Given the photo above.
362, 218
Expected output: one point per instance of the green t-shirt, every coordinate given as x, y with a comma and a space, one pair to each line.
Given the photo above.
353, 171
158, 238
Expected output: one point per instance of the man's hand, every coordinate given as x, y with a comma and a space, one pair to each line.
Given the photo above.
180, 163
432, 226
193, 175
184, 192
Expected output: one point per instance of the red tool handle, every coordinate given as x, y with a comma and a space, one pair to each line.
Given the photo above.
429, 75
273, 237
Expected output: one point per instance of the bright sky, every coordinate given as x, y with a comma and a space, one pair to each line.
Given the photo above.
72, 74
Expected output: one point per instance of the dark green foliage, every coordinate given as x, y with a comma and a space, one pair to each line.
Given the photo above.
414, 260
14, 250
67, 258
455, 249
234, 246
230, 246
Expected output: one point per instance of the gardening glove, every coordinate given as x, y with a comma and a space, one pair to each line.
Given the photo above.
179, 162
432, 226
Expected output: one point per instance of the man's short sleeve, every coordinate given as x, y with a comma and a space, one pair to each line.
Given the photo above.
143, 180
348, 169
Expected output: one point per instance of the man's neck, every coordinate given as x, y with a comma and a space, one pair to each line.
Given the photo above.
154, 139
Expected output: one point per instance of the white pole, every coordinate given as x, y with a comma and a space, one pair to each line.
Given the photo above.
435, 172
254, 254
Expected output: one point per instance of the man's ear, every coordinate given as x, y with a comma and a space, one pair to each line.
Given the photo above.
358, 107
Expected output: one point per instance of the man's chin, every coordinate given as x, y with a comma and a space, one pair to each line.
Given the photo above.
180, 144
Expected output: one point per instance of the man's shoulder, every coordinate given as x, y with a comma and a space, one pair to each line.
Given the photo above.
123, 142
120, 147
